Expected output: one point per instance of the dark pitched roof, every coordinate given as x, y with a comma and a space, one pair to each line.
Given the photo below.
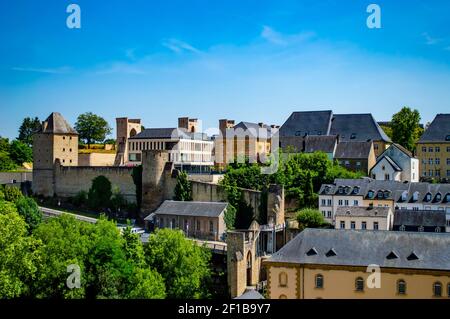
419, 218
401, 148
357, 150
391, 162
250, 294
310, 143
438, 131
168, 133
200, 209
357, 127
307, 123
56, 124
253, 129
361, 211
362, 248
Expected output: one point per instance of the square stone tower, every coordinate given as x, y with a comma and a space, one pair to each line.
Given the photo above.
125, 128
56, 140
190, 125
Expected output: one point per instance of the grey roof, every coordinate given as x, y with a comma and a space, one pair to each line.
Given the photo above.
362, 248
438, 131
391, 162
349, 127
361, 211
393, 189
357, 127
168, 133
356, 150
253, 129
307, 123
198, 209
419, 218
250, 294
56, 124
310, 143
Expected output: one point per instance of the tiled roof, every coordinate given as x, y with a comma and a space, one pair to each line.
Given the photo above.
56, 124
438, 131
356, 150
198, 209
168, 133
419, 218
307, 123
253, 129
310, 143
361, 211
365, 247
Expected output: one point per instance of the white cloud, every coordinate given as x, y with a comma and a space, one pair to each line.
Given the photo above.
278, 38
61, 70
179, 46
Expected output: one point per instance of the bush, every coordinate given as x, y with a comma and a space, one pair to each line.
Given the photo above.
80, 198
12, 194
29, 210
100, 193
310, 218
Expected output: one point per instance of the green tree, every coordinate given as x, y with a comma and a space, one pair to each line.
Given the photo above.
310, 218
183, 264
183, 188
230, 217
405, 127
99, 195
12, 194
6, 163
27, 129
29, 210
20, 152
18, 254
92, 128
136, 174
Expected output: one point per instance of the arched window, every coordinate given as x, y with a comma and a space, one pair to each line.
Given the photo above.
401, 287
402, 228
319, 281
282, 297
359, 284
283, 279
437, 229
437, 289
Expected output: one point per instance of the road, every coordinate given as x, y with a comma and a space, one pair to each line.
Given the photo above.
53, 213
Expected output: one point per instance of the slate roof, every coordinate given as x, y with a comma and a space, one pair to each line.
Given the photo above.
253, 129
309, 122
357, 127
310, 143
250, 294
349, 127
197, 209
168, 133
56, 124
419, 218
361, 211
365, 247
354, 150
438, 131
391, 162
393, 189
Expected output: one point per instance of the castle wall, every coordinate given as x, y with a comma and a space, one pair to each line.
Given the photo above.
96, 159
69, 181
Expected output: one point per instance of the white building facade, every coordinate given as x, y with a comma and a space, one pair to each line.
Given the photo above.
396, 164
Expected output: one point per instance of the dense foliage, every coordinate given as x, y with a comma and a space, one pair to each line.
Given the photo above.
28, 127
310, 218
14, 154
92, 128
112, 264
405, 128
183, 188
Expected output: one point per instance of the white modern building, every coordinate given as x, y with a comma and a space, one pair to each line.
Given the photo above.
396, 164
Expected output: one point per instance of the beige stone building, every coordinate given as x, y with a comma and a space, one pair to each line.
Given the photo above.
364, 218
332, 264
56, 140
200, 220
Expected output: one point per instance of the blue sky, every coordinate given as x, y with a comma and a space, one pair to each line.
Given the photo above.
244, 60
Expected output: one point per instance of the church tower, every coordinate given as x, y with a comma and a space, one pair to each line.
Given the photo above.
56, 140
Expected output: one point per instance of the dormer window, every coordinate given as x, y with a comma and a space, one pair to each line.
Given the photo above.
392, 255
402, 228
370, 194
404, 196
353, 136
447, 138
311, 252
420, 229
347, 189
416, 196
428, 197
330, 253
438, 197
447, 198
380, 194
341, 190
356, 190
386, 194
412, 256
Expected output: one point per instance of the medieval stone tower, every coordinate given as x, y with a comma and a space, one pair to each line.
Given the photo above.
188, 124
56, 140
126, 128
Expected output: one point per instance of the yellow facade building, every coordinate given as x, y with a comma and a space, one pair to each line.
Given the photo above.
433, 149
349, 264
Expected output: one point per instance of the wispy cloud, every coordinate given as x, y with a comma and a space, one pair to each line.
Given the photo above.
275, 37
61, 70
429, 40
120, 67
179, 46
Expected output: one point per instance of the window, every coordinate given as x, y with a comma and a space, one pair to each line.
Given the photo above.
448, 149
352, 225
359, 284
340, 202
428, 197
430, 150
437, 161
430, 161
329, 214
323, 201
319, 281
401, 287
198, 225
402, 228
282, 279
346, 202
364, 225
448, 289
375, 225
448, 161
420, 229
358, 164
424, 149
437, 149
324, 213
387, 177
437, 229
211, 226
342, 224
355, 202
329, 202
437, 289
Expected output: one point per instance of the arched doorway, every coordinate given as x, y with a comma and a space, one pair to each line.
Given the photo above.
249, 268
